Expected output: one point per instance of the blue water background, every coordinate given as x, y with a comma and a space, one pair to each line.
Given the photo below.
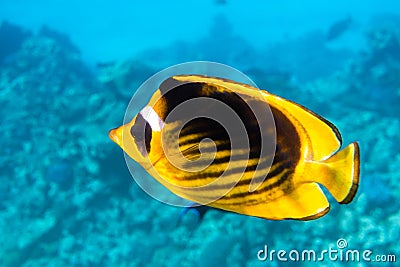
69, 68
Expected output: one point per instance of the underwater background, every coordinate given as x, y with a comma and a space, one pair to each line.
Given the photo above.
69, 68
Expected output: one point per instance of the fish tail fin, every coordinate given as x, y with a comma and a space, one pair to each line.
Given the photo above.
340, 173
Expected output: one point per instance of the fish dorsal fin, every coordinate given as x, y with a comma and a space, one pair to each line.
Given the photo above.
306, 202
322, 137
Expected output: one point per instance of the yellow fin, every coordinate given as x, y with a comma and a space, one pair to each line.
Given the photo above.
306, 202
340, 174
323, 136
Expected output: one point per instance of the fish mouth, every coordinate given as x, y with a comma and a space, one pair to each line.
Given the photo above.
116, 135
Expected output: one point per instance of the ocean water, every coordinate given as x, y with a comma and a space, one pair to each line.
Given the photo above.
68, 70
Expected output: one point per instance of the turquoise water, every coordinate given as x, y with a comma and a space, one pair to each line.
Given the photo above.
68, 70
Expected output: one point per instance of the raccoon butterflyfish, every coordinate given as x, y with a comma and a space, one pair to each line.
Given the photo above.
306, 151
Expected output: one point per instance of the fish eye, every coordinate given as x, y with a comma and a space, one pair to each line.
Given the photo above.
142, 133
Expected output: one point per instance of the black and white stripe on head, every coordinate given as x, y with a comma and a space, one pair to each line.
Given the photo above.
146, 122
152, 118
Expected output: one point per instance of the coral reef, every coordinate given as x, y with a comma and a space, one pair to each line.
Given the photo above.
11, 39
67, 198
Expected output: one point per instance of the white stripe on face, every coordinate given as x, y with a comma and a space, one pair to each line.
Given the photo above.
152, 118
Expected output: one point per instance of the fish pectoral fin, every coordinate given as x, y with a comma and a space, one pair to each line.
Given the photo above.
340, 173
306, 202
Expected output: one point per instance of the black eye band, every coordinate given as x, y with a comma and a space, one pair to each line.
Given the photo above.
142, 133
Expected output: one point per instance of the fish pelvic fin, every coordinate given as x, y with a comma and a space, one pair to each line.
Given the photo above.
340, 173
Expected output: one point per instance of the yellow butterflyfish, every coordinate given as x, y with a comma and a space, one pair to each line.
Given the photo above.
306, 150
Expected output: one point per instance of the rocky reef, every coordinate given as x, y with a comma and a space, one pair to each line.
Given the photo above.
67, 198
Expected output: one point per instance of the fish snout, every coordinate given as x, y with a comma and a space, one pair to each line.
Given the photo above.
116, 135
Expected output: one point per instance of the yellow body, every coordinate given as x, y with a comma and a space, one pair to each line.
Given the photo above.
293, 193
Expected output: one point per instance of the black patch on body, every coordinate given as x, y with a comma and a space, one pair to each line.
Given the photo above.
288, 142
287, 155
205, 127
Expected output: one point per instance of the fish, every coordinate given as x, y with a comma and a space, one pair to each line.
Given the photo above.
307, 151
337, 29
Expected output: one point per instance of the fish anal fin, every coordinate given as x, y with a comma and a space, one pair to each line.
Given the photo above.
306, 202
340, 173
